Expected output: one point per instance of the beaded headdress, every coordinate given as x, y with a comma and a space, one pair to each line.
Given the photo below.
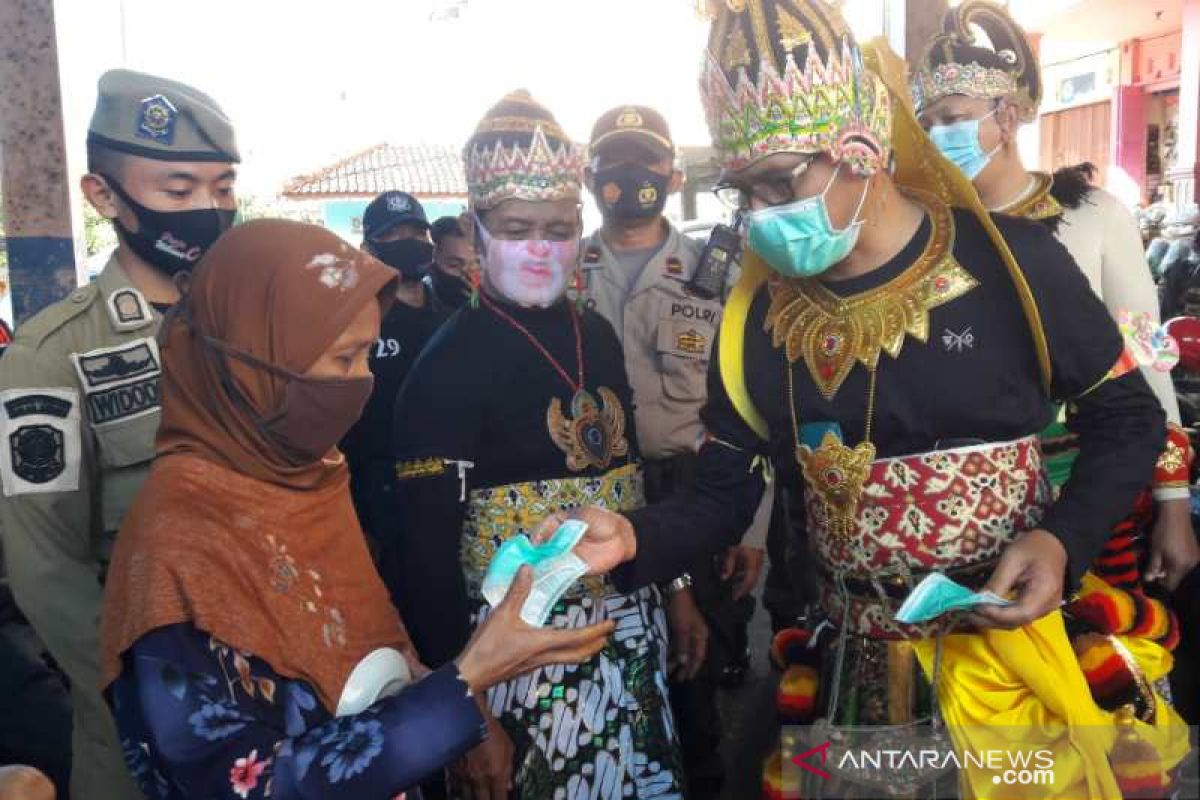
786, 76
518, 151
955, 62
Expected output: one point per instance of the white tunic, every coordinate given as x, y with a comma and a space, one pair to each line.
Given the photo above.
1103, 238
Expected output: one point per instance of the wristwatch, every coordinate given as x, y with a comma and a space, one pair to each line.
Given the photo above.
676, 586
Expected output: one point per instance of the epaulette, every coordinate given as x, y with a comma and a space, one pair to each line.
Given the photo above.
34, 331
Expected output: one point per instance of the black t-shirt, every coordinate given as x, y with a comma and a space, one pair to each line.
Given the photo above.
402, 336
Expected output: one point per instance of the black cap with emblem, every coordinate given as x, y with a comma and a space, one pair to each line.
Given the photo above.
389, 210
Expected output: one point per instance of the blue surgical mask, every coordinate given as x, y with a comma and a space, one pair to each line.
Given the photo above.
959, 142
797, 240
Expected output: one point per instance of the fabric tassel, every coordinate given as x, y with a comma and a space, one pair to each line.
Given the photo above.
1112, 683
476, 280
1135, 762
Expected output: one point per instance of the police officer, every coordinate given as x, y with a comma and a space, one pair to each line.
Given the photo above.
396, 231
79, 384
637, 271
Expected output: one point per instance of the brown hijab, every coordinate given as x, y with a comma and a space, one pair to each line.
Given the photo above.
227, 533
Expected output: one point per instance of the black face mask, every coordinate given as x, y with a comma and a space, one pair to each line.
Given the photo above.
449, 290
170, 241
631, 191
409, 256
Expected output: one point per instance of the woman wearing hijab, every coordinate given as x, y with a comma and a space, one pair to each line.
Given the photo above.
241, 595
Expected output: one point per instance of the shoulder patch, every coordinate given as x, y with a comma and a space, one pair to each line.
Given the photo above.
120, 382
40, 440
128, 310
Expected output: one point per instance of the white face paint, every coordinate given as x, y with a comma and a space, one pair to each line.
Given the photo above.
529, 272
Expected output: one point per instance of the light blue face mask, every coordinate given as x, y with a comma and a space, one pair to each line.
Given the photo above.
937, 595
555, 570
797, 240
959, 143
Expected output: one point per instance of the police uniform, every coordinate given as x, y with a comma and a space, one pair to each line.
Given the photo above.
79, 389
667, 332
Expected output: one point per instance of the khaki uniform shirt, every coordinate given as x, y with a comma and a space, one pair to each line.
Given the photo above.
668, 335
79, 390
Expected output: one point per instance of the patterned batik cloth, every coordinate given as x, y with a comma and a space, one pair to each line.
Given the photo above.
602, 729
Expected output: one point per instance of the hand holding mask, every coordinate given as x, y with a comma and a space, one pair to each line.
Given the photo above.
555, 570
938, 595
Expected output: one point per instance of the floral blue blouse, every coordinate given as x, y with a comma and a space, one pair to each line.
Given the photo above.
198, 719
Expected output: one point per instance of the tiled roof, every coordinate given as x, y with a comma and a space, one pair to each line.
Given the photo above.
425, 170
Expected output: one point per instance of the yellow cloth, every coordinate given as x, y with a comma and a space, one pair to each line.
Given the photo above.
1023, 690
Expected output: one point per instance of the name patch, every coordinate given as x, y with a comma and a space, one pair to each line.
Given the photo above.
120, 382
122, 402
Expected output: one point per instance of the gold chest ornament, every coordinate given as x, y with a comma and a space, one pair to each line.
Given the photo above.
594, 433
832, 333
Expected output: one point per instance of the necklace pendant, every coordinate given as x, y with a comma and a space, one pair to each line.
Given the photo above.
836, 474
594, 432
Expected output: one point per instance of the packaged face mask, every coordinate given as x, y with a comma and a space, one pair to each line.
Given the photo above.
937, 595
555, 570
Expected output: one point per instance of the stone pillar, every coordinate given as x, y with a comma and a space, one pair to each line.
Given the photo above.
1128, 139
1184, 173
37, 198
922, 21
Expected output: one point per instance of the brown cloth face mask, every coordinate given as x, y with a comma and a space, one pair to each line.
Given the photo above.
315, 413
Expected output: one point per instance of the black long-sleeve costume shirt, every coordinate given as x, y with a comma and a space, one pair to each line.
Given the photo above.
985, 386
478, 394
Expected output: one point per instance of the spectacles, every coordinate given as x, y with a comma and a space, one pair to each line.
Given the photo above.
769, 190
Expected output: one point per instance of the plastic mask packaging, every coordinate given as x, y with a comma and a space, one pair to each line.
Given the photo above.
555, 570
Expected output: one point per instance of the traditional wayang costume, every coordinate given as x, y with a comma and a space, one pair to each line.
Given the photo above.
927, 459
1103, 238
514, 412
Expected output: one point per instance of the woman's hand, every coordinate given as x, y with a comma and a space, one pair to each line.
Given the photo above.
504, 646
608, 542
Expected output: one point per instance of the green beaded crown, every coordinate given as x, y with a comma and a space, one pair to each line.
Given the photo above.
787, 76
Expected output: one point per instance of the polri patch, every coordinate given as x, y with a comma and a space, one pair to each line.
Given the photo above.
156, 119
120, 382
40, 436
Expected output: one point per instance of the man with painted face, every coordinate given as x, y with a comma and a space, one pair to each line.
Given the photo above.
519, 407
396, 231
895, 350
971, 98
637, 273
80, 382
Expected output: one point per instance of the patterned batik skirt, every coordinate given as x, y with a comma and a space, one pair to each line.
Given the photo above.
601, 729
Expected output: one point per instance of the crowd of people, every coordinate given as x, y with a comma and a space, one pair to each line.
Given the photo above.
254, 476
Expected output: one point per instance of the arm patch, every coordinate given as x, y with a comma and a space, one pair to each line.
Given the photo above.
40, 441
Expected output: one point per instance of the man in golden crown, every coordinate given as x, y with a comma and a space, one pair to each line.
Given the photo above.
895, 350
519, 407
